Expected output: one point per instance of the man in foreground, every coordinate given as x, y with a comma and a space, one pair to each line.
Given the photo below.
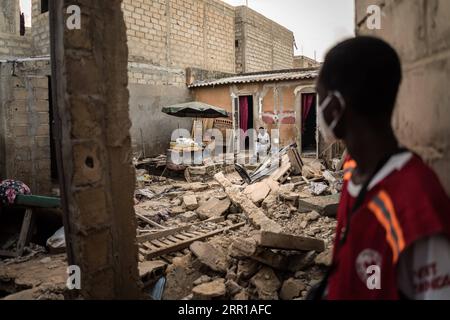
393, 234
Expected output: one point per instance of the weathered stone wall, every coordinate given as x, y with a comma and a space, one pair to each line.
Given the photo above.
261, 44
12, 44
25, 131
420, 31
98, 179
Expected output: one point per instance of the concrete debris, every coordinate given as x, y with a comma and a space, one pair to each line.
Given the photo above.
255, 214
213, 208
188, 216
284, 247
291, 289
210, 256
318, 188
257, 192
285, 241
203, 279
325, 205
151, 271
190, 202
266, 283
209, 290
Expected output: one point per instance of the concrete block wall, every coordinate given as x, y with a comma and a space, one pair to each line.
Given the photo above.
40, 30
164, 38
25, 130
420, 31
176, 34
261, 44
12, 44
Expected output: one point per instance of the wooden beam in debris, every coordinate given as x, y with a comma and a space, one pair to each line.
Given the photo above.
169, 232
255, 214
153, 223
289, 242
168, 245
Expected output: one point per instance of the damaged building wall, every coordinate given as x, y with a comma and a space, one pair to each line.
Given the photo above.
25, 130
164, 38
261, 44
277, 98
12, 44
40, 29
91, 98
420, 31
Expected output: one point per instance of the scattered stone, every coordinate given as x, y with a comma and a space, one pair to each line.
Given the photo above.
177, 210
246, 269
213, 208
291, 288
286, 241
232, 287
203, 279
302, 261
210, 256
188, 216
257, 192
198, 186
312, 216
318, 188
325, 205
150, 271
46, 260
210, 290
241, 296
190, 202
266, 284
325, 258
243, 248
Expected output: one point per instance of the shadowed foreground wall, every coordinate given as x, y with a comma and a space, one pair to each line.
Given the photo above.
90, 77
420, 31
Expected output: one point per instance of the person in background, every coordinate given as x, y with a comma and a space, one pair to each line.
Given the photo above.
393, 234
262, 144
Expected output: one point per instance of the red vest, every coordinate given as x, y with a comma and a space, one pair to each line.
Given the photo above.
408, 205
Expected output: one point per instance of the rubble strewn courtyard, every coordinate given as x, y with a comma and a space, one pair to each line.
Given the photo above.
196, 240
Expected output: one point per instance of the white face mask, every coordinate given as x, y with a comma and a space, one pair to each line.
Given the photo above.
326, 130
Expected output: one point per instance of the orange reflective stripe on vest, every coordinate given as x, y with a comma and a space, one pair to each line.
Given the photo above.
349, 166
383, 209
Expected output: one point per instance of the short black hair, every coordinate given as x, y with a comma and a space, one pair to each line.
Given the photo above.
367, 72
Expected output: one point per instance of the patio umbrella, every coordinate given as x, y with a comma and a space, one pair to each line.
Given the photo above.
195, 110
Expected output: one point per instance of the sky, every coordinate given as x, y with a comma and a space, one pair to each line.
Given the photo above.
317, 24
25, 6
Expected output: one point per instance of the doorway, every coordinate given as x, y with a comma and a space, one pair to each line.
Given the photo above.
246, 117
309, 123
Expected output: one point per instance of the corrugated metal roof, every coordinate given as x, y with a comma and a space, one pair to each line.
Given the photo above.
261, 77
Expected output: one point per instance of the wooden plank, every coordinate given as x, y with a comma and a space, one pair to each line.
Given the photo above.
187, 243
153, 223
168, 232
24, 232
9, 254
289, 242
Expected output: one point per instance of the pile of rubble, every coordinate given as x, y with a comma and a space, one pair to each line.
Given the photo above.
277, 243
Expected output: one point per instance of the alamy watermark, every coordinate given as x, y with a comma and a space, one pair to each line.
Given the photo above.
74, 277
374, 14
